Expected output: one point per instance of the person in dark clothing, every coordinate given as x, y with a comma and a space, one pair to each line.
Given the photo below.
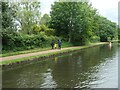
52, 44
59, 44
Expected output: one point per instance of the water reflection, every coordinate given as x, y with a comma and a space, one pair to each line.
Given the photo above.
92, 67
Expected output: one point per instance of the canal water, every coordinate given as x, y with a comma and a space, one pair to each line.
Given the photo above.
95, 67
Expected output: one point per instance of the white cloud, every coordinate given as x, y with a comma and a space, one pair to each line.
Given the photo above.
107, 8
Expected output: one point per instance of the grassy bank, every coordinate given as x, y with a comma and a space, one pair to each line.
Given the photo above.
10, 53
49, 54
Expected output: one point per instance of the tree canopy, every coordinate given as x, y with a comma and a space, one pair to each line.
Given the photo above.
28, 15
79, 22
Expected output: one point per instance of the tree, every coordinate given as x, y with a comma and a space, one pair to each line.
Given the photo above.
45, 19
112, 31
106, 29
8, 30
73, 20
8, 13
28, 15
118, 33
43, 29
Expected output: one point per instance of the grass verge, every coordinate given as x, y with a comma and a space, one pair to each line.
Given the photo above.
11, 53
24, 52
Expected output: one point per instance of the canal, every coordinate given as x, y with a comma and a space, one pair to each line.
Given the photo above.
95, 67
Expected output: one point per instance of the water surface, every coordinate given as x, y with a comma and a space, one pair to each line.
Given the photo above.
95, 67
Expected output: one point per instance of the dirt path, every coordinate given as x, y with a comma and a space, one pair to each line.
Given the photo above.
32, 54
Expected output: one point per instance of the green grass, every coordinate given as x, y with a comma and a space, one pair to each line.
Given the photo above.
31, 57
66, 44
48, 54
10, 53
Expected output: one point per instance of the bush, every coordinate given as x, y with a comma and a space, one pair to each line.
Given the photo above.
95, 39
16, 41
43, 29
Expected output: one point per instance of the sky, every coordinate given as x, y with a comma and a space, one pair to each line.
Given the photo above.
106, 8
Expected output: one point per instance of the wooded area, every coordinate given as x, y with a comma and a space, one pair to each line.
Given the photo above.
78, 23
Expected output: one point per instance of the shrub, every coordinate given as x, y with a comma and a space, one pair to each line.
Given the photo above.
16, 41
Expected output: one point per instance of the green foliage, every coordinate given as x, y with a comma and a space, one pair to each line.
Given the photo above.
107, 29
66, 44
28, 15
73, 20
95, 39
119, 33
32, 34
8, 15
45, 19
43, 29
80, 23
75, 23
17, 41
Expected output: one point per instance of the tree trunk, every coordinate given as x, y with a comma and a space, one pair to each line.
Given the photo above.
69, 38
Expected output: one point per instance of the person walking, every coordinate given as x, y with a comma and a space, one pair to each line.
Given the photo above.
55, 45
59, 44
52, 44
